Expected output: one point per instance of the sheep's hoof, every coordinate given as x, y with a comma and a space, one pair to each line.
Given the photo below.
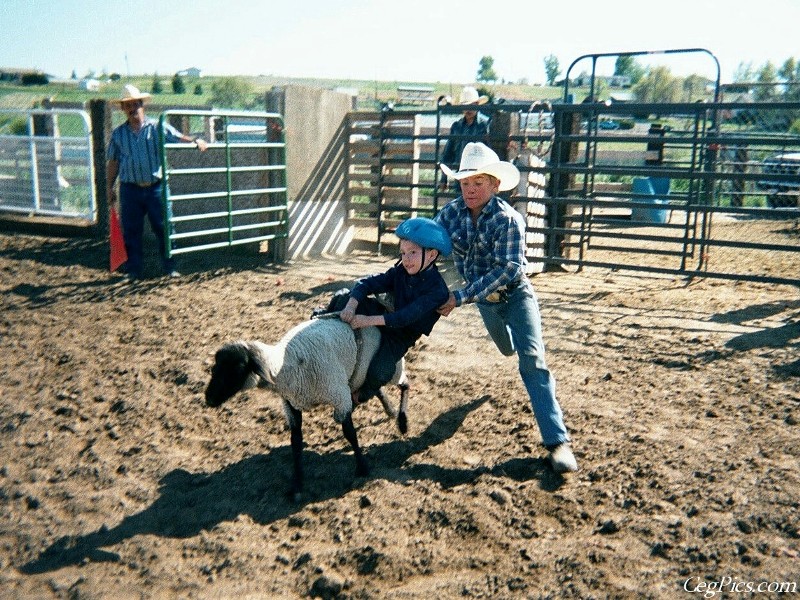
402, 423
295, 491
362, 468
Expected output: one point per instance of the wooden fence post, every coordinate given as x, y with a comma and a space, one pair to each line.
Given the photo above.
100, 116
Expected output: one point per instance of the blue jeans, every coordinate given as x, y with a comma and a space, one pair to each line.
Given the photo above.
515, 325
136, 204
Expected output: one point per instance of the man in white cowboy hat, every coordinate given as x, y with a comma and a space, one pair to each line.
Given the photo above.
489, 252
473, 126
134, 155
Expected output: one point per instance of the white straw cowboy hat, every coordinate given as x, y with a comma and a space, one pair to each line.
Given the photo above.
131, 92
478, 159
469, 95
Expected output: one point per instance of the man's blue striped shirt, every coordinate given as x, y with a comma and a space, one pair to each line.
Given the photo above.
139, 154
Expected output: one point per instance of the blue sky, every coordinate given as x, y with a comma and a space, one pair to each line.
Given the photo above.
408, 40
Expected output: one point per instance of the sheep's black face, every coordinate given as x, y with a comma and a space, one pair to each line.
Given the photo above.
232, 367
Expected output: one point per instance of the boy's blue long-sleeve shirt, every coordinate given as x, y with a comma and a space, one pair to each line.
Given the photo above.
416, 297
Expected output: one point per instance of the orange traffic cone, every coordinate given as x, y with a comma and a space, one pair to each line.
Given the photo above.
118, 254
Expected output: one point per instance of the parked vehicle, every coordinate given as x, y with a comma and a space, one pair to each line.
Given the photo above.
609, 124
781, 179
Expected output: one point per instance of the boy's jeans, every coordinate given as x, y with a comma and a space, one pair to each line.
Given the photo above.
515, 325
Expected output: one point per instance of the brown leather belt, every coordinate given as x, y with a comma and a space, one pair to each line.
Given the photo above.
144, 185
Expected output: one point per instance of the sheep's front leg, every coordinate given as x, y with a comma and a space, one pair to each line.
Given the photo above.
349, 430
296, 427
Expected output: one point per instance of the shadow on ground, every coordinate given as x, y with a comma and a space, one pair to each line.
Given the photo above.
256, 486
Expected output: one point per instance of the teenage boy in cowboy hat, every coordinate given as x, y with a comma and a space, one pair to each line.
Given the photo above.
417, 290
473, 126
134, 155
489, 252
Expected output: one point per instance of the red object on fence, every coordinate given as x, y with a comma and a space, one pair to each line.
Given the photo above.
118, 254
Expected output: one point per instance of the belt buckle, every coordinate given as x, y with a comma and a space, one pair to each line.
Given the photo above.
499, 295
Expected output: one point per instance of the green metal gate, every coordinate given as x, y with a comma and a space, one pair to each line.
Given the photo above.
234, 193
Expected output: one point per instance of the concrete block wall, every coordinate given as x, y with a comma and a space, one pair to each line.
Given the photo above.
314, 120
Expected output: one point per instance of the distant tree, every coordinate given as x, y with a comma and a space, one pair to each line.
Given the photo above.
659, 85
768, 77
551, 68
627, 66
694, 87
34, 79
198, 89
486, 70
789, 70
744, 73
230, 92
74, 74
178, 87
157, 86
115, 77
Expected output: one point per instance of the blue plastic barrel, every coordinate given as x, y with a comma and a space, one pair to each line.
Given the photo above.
650, 189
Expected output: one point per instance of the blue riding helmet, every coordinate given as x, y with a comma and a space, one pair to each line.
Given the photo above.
425, 232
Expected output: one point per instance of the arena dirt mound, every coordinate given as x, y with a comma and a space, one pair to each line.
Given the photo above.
116, 481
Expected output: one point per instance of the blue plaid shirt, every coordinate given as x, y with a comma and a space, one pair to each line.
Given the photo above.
139, 154
488, 254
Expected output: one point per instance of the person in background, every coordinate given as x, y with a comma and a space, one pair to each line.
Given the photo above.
473, 126
489, 253
417, 289
134, 155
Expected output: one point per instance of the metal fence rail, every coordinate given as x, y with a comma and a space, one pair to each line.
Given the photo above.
233, 194
687, 192
706, 189
46, 164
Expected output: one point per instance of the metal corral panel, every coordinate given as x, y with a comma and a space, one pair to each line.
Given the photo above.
46, 167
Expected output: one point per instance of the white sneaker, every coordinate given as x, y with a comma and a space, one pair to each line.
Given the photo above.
562, 459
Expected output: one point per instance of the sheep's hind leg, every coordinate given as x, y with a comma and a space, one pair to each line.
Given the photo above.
387, 406
349, 430
296, 425
402, 419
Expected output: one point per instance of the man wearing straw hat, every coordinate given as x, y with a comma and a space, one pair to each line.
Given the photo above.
489, 252
134, 155
473, 126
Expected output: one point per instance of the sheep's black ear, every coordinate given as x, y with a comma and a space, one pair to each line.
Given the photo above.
256, 367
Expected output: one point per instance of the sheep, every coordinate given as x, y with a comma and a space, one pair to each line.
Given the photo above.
320, 361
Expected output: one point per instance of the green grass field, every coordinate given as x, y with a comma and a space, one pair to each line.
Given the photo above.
371, 94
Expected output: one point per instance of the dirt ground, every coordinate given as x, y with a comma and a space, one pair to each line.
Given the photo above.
116, 481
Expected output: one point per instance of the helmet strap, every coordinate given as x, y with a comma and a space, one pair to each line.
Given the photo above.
423, 266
